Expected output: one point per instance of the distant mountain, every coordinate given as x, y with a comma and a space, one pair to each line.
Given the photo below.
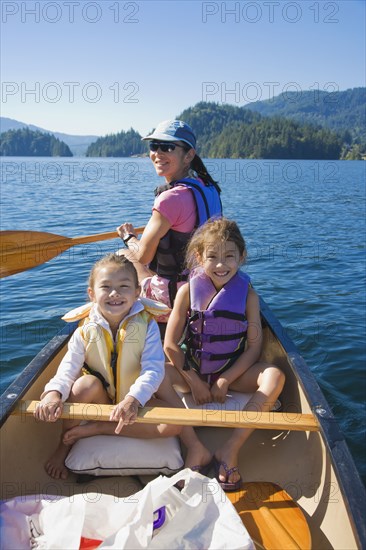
344, 112
78, 144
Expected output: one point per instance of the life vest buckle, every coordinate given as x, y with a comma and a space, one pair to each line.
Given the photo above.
201, 354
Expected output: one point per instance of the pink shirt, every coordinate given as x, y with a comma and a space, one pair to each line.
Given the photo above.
178, 206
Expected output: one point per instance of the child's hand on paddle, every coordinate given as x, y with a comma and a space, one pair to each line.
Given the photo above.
125, 412
49, 409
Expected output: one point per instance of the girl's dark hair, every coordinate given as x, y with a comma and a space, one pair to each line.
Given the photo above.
117, 260
220, 230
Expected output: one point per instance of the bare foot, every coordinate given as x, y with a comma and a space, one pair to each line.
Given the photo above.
55, 466
197, 455
79, 432
231, 459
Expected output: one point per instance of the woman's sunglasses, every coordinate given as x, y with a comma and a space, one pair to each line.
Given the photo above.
164, 146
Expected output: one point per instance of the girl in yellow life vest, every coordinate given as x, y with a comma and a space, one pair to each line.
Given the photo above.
114, 356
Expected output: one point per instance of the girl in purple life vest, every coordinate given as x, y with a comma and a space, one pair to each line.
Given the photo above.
222, 341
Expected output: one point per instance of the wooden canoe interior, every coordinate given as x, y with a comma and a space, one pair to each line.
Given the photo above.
273, 464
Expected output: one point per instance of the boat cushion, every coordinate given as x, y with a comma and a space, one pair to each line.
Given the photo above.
103, 455
235, 401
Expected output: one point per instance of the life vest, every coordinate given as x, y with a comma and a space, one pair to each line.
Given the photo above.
117, 364
217, 325
168, 261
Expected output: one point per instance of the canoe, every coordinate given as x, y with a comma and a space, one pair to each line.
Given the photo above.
305, 472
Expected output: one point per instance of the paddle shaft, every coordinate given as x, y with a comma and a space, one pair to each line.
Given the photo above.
73, 241
22, 250
93, 238
218, 418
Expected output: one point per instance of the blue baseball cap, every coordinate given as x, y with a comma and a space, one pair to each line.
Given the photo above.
173, 130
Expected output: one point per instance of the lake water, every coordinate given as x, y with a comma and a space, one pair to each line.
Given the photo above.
304, 223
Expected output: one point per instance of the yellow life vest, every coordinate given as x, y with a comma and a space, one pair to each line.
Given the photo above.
130, 341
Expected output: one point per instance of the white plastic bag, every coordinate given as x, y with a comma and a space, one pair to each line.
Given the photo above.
159, 516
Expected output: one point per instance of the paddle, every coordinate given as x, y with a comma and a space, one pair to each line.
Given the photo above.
188, 417
273, 519
22, 250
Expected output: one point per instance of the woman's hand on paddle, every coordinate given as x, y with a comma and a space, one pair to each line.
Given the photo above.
219, 390
201, 392
49, 409
125, 413
125, 229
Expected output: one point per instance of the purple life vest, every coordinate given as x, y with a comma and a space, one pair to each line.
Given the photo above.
217, 326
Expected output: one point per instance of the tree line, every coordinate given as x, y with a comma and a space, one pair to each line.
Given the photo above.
311, 125
123, 144
226, 131
27, 143
343, 112
233, 132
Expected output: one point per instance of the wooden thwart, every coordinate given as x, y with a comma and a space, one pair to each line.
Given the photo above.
22, 250
219, 417
272, 518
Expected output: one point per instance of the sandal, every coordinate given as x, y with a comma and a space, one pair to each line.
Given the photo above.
227, 485
203, 470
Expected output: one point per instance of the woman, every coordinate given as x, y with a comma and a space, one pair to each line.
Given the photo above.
189, 197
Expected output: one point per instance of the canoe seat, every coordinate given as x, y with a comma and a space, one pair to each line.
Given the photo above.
272, 518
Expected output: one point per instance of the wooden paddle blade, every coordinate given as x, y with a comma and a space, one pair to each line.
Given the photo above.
271, 516
22, 250
188, 417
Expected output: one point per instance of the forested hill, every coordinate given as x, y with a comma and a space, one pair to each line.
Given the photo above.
78, 144
294, 125
209, 120
123, 144
26, 143
340, 111
261, 137
306, 125
224, 131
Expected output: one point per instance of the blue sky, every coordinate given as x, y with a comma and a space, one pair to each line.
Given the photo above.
84, 67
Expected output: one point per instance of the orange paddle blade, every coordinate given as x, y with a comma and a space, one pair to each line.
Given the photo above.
271, 516
22, 250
